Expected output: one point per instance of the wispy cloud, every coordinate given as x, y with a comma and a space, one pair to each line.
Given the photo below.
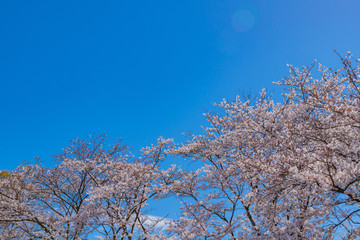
155, 221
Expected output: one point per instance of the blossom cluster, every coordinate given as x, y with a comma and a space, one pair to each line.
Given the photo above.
267, 170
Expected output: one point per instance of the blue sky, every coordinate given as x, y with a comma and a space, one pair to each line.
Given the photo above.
143, 69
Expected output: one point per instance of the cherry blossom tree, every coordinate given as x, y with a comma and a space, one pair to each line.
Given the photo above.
287, 170
268, 170
122, 191
94, 190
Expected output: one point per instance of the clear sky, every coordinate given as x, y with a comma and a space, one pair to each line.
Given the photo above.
143, 69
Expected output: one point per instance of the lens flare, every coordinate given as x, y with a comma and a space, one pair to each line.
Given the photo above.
243, 20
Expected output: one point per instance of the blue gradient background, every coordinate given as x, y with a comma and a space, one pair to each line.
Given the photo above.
143, 69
